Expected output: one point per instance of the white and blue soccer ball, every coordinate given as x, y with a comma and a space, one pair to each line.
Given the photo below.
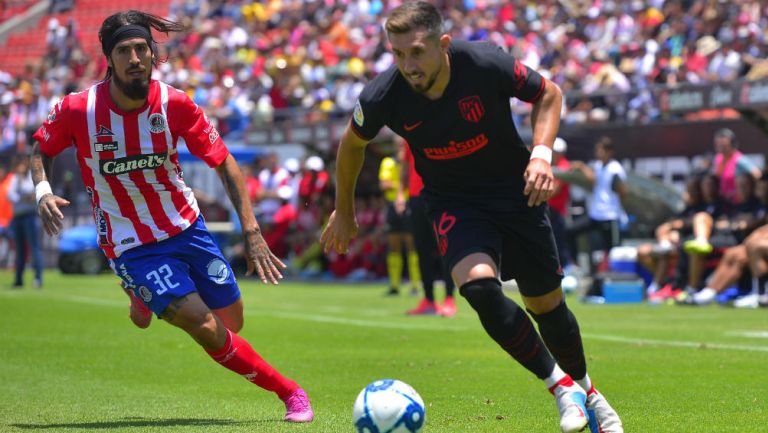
388, 406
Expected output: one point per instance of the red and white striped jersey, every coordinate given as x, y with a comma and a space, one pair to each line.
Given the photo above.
129, 162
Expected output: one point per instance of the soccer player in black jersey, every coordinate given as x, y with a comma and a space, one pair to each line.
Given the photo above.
484, 190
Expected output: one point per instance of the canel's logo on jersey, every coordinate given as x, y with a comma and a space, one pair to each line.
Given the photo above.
157, 123
472, 108
218, 271
114, 167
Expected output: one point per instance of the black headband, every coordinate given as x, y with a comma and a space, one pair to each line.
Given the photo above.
126, 32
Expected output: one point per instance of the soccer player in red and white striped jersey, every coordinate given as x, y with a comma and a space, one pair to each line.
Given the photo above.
126, 130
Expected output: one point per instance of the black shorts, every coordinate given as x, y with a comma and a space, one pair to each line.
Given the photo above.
398, 223
519, 240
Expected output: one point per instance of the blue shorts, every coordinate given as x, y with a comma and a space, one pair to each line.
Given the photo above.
172, 268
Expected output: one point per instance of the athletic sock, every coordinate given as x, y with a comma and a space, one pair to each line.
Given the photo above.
508, 325
395, 269
450, 287
586, 384
560, 332
414, 272
429, 292
238, 356
556, 376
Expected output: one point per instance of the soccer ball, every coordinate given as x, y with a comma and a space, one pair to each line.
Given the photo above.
388, 406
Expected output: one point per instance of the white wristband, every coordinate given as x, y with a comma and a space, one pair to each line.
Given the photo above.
42, 189
542, 151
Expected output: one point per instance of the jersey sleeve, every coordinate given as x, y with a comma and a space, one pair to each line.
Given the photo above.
55, 134
617, 170
201, 137
517, 80
368, 116
744, 165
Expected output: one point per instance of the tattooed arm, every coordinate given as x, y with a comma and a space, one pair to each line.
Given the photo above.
48, 204
258, 255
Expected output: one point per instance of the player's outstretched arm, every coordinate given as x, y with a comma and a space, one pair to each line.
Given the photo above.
48, 204
258, 256
545, 119
342, 225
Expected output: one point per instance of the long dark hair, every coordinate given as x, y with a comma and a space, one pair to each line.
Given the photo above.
149, 21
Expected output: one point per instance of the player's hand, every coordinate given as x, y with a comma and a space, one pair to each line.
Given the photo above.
539, 181
339, 231
259, 258
49, 210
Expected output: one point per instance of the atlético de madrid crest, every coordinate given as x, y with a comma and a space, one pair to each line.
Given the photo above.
157, 123
471, 108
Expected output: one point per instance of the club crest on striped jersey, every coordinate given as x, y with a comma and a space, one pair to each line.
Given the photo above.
157, 123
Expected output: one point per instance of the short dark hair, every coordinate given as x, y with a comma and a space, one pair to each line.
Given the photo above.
605, 143
416, 15
727, 132
143, 19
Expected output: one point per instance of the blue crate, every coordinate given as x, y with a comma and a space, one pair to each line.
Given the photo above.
623, 291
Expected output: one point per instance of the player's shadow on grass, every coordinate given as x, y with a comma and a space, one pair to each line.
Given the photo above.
141, 422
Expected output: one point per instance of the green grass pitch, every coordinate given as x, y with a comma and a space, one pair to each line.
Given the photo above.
71, 361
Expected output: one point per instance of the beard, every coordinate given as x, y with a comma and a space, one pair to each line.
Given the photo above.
423, 88
135, 88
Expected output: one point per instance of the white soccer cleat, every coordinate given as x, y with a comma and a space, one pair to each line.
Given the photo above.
602, 417
747, 301
570, 399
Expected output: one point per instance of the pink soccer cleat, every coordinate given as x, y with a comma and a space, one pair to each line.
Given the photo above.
140, 314
425, 308
298, 408
449, 307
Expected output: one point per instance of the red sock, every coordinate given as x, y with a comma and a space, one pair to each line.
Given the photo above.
238, 356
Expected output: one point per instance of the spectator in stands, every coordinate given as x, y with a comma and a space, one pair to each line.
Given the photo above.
25, 224
729, 163
271, 177
314, 181
252, 182
276, 232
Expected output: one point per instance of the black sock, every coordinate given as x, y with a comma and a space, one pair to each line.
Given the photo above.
449, 286
560, 332
429, 292
508, 325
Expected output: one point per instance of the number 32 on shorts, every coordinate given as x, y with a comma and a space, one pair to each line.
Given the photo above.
162, 279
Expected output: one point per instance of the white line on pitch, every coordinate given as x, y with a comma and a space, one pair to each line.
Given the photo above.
673, 343
435, 327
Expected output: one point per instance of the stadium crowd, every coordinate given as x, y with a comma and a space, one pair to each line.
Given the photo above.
250, 63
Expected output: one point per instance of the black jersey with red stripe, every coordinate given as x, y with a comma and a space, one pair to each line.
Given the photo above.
465, 144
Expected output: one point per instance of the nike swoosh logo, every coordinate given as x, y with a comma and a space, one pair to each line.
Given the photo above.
409, 128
